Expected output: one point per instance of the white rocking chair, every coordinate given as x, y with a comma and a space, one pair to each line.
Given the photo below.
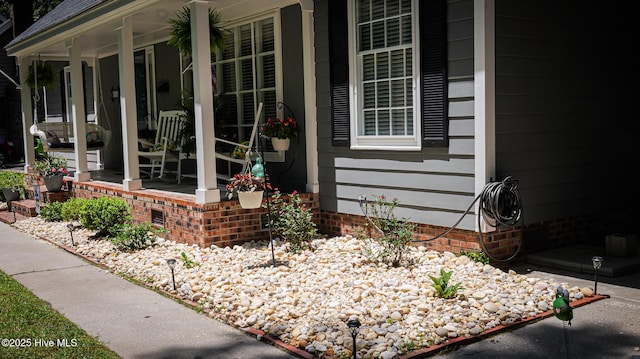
168, 144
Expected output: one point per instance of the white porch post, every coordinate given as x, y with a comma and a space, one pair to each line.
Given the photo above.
78, 112
311, 123
27, 113
132, 179
484, 93
207, 190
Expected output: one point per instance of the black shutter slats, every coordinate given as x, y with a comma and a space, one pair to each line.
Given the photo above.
339, 55
433, 68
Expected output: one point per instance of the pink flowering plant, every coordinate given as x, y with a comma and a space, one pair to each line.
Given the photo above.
245, 182
51, 166
280, 128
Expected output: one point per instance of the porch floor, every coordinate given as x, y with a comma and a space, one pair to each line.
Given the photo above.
167, 183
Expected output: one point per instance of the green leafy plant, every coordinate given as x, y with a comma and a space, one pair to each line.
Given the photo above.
392, 236
14, 181
52, 212
73, 208
180, 31
292, 220
130, 237
104, 214
442, 287
41, 75
188, 263
479, 257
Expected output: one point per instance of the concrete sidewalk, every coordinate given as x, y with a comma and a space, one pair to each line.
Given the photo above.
133, 321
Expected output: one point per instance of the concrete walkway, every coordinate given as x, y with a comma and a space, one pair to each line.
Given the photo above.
133, 321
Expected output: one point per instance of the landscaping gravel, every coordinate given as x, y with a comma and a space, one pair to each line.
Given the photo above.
306, 299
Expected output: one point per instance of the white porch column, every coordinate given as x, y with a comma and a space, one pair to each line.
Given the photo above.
27, 113
484, 93
132, 179
207, 190
78, 112
310, 112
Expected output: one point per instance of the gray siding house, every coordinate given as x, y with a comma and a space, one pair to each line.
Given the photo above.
423, 101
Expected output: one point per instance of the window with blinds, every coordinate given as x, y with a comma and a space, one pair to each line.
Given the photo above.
245, 76
384, 87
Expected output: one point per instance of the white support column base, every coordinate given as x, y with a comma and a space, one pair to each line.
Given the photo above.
132, 184
82, 176
207, 196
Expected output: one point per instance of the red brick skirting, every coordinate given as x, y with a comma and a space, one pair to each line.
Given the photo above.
223, 224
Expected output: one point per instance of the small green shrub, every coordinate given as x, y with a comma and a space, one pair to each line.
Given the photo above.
14, 181
479, 257
392, 235
105, 214
52, 212
72, 209
129, 237
188, 263
441, 285
292, 221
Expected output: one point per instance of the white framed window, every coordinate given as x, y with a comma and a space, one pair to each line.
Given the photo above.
384, 74
247, 72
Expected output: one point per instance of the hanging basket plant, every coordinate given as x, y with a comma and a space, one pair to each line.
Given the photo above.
46, 76
180, 33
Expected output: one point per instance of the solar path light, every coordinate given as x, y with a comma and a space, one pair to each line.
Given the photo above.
172, 264
597, 263
354, 328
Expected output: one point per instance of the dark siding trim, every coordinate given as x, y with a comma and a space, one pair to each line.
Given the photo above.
339, 62
433, 68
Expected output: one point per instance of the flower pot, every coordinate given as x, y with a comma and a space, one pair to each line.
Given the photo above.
250, 199
280, 144
53, 183
10, 195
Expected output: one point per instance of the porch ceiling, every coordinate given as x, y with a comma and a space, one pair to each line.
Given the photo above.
95, 29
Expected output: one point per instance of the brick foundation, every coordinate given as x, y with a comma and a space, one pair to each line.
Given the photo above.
222, 224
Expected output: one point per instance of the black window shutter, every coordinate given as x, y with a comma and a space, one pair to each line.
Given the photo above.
433, 70
339, 62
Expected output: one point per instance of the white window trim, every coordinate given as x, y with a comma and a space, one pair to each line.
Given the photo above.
392, 143
273, 156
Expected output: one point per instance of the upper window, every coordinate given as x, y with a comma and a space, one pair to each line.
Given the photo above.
245, 76
383, 75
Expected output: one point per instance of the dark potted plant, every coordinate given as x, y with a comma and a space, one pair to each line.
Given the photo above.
41, 74
180, 33
13, 185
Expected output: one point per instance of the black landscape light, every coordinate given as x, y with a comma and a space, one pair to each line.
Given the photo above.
70, 228
13, 209
354, 328
172, 264
597, 263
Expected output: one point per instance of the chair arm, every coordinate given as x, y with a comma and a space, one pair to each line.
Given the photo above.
145, 143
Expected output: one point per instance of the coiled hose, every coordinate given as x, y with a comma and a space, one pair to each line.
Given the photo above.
500, 204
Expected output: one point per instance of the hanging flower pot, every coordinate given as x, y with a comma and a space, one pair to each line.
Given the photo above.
280, 144
250, 200
53, 183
